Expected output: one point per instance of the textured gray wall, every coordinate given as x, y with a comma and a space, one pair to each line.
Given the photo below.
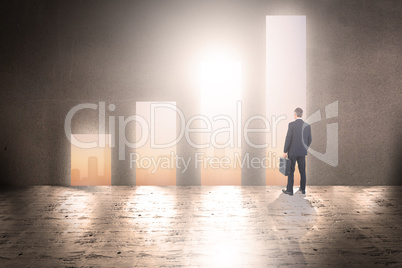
354, 57
57, 54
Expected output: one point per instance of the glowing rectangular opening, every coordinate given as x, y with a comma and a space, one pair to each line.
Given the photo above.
220, 92
155, 165
91, 166
285, 84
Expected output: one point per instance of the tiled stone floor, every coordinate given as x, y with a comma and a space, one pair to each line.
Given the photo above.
45, 226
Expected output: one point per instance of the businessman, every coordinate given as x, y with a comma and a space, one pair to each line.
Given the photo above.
298, 139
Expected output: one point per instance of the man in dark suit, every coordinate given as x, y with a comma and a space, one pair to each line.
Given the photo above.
298, 139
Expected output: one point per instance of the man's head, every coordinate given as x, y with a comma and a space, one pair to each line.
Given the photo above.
298, 112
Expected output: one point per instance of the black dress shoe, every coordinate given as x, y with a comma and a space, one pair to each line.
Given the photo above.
302, 191
287, 192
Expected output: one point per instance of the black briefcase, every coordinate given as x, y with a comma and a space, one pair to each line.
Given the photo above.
284, 166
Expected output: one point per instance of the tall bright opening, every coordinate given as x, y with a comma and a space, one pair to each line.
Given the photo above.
220, 85
286, 82
91, 166
155, 162
220, 92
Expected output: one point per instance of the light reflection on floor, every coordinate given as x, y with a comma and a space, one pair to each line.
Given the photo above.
212, 226
223, 244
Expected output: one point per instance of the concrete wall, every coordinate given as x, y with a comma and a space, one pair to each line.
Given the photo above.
57, 54
354, 57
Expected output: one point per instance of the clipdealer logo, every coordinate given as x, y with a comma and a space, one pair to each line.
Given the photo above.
330, 156
236, 132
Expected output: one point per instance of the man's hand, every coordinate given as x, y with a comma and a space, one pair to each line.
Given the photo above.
285, 155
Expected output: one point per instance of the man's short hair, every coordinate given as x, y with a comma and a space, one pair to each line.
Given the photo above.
299, 112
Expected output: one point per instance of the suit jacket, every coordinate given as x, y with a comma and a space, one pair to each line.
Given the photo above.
298, 138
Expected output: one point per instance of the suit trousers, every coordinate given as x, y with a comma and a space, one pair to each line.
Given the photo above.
301, 163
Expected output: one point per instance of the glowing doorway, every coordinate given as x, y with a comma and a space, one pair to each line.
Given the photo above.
155, 160
220, 92
91, 166
286, 83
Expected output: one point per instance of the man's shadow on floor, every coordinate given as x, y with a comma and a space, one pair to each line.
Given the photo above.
292, 218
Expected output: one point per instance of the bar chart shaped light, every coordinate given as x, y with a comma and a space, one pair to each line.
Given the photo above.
91, 166
220, 91
285, 84
155, 165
